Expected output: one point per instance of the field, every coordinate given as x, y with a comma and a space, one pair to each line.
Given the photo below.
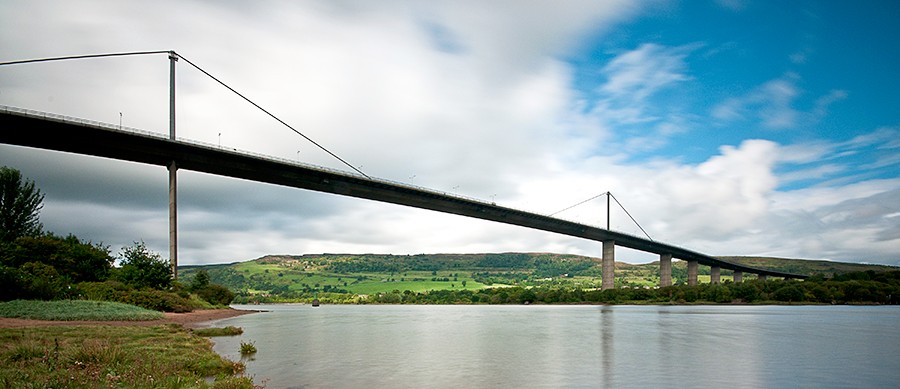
106, 356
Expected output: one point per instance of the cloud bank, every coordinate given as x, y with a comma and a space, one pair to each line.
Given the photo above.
468, 97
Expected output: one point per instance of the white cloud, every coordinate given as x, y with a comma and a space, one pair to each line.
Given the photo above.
771, 103
467, 97
639, 73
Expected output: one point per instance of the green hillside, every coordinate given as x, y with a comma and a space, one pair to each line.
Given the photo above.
347, 277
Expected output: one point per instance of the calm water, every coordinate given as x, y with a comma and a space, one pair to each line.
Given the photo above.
570, 346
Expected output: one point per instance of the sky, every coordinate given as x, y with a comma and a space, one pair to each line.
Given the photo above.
729, 127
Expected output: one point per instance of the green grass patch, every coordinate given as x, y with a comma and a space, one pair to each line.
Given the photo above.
68, 310
248, 348
219, 331
106, 356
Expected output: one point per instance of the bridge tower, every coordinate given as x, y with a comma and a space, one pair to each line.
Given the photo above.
173, 174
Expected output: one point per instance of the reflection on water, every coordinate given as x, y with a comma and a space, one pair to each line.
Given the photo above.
569, 346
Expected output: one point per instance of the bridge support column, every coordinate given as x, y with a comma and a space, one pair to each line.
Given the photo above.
665, 270
693, 266
714, 274
762, 277
609, 265
738, 276
173, 218
173, 174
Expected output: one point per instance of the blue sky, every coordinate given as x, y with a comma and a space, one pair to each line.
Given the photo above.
791, 72
728, 127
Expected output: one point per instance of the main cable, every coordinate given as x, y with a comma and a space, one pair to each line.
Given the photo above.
83, 57
271, 115
171, 52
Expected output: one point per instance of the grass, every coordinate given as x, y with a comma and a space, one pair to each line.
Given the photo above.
68, 310
247, 348
219, 331
107, 356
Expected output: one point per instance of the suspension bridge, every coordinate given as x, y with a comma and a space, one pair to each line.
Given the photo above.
23, 127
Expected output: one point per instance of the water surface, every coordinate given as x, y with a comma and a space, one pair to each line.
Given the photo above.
402, 346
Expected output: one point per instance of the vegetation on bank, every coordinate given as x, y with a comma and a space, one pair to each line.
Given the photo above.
105, 356
851, 288
69, 310
514, 278
48, 267
219, 331
37, 265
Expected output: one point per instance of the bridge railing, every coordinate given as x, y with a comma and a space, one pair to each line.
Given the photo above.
207, 145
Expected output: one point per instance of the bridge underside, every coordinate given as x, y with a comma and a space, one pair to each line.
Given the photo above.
106, 141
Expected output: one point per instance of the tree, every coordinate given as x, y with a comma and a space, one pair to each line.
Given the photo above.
201, 280
77, 260
143, 268
20, 204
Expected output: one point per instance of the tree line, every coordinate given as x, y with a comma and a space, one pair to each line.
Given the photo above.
39, 265
852, 288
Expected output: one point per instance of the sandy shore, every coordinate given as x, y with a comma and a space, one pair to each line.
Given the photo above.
196, 319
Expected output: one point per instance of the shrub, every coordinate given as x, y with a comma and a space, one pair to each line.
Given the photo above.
42, 282
80, 261
103, 291
144, 268
158, 300
247, 348
216, 294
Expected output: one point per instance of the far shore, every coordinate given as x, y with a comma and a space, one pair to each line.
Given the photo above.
196, 319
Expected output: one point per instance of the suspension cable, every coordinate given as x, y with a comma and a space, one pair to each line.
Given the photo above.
273, 116
617, 202
573, 206
83, 57
629, 215
27, 61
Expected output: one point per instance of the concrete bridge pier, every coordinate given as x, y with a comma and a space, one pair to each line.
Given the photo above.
762, 277
715, 274
738, 276
665, 270
693, 267
609, 265
173, 219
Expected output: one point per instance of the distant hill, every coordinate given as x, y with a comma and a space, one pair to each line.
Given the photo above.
806, 266
294, 276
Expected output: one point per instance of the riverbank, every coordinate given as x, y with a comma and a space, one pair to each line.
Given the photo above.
195, 319
121, 353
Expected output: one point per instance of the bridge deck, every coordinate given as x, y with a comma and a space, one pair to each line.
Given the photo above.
53, 132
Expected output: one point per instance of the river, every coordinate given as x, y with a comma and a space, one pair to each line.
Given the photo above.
540, 346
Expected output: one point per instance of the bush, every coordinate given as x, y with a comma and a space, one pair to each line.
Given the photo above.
216, 294
143, 268
80, 261
38, 281
158, 300
103, 291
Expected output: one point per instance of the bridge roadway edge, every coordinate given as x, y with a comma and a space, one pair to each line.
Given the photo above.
104, 141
